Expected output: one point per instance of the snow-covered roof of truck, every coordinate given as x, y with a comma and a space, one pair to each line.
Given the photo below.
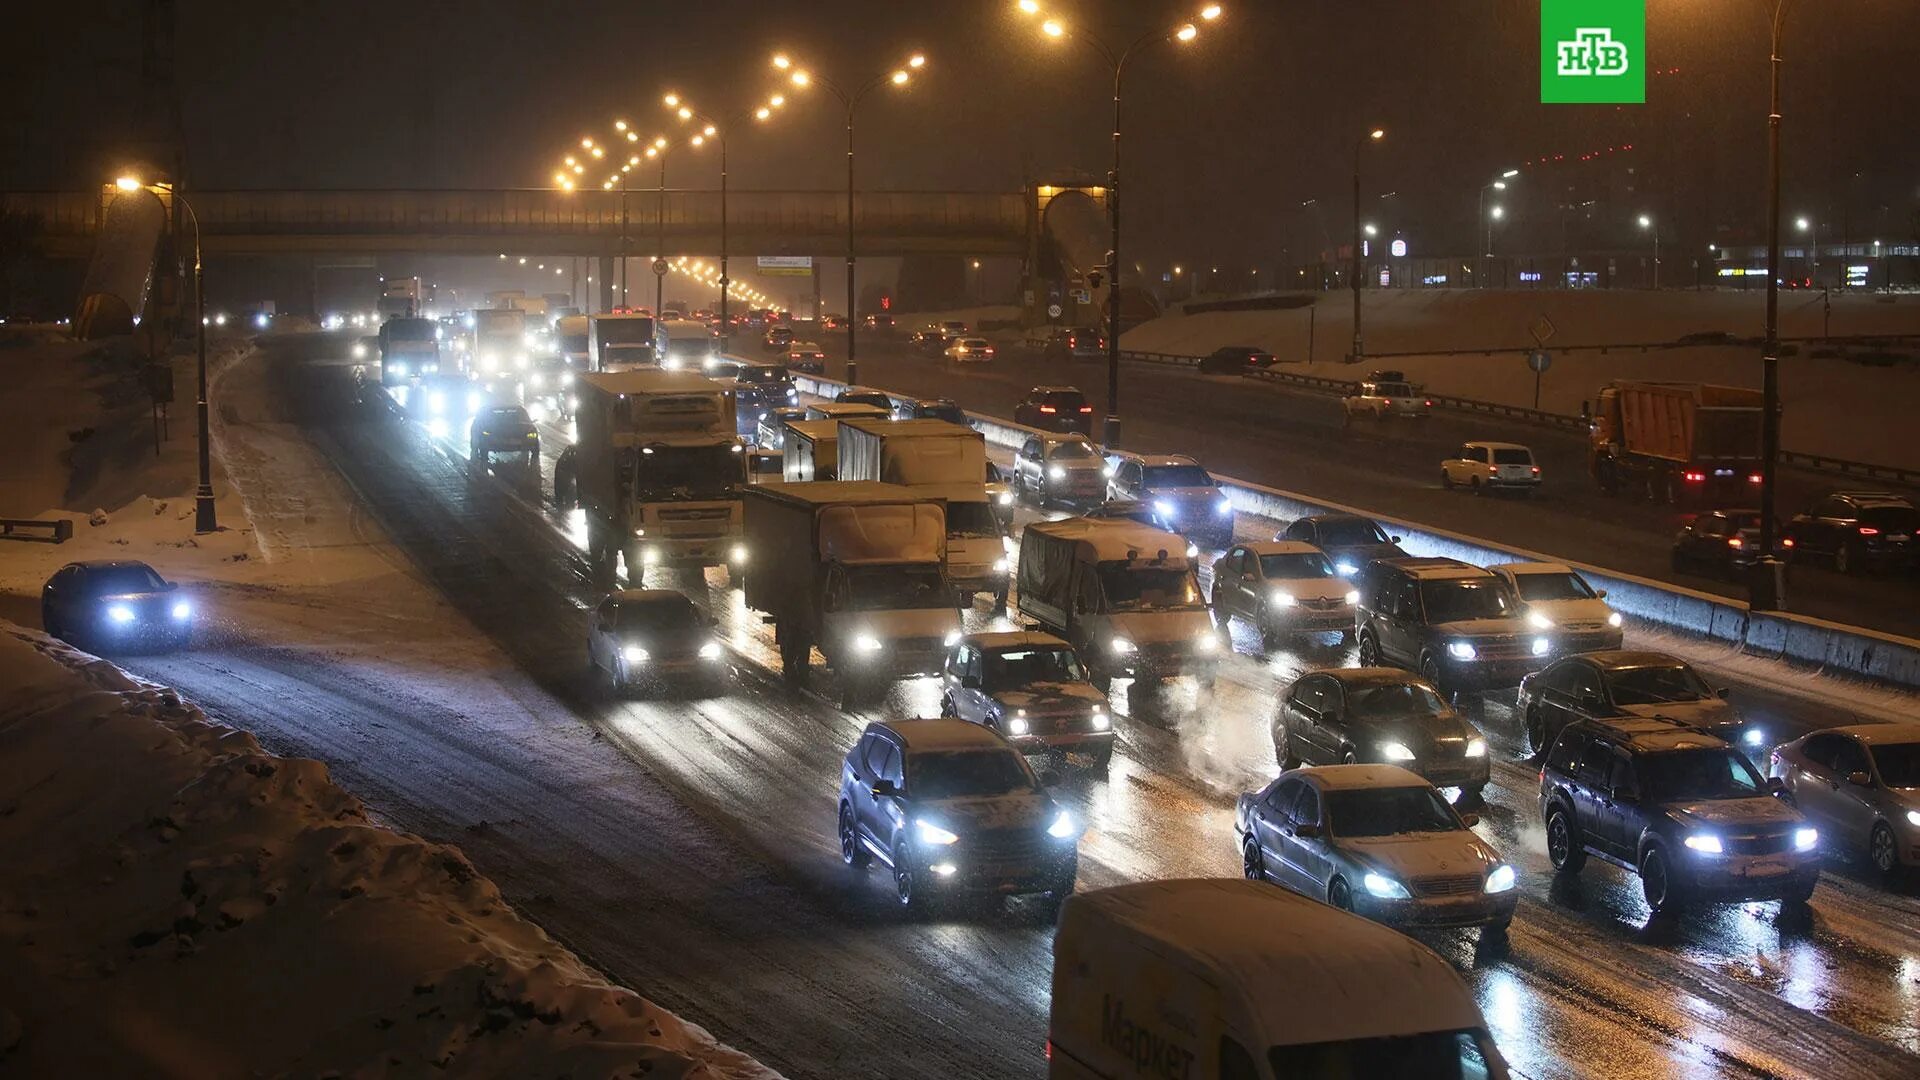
956, 493
649, 381
1115, 539
816, 431
838, 492
1300, 965
910, 429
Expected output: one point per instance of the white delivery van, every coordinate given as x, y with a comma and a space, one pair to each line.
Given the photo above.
1238, 980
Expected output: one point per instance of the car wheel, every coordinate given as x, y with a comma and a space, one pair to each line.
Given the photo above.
1536, 731
1221, 616
1563, 843
1446, 480
1282, 750
1656, 881
1474, 485
947, 707
1253, 866
852, 851
904, 888
1270, 636
1883, 850
1844, 560
1340, 895
1346, 637
1430, 671
1369, 651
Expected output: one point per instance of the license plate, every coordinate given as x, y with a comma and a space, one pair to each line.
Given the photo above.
1765, 869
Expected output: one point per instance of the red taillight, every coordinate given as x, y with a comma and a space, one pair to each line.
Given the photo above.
1086, 408
989, 352
1049, 1049
1735, 542
1694, 477
1046, 409
1868, 530
1536, 470
1786, 541
1429, 403
1754, 478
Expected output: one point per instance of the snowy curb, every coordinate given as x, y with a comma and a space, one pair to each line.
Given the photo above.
178, 901
1830, 648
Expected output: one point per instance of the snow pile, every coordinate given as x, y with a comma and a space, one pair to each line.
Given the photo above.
178, 902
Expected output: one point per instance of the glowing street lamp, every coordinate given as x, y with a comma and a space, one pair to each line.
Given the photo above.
1359, 262
1647, 222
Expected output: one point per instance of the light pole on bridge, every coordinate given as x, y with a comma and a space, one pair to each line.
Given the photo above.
1359, 263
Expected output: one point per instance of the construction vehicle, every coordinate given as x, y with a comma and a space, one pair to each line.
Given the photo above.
1676, 442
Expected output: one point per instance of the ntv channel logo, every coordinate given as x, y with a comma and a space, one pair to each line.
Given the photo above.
1593, 51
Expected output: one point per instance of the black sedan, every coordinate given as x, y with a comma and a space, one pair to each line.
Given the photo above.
1358, 716
1622, 684
118, 604
1235, 360
1350, 542
1723, 542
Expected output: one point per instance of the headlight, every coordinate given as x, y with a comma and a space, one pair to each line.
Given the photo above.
1804, 839
1753, 736
1539, 621
520, 361
1018, 725
474, 401
1164, 508
1006, 543
933, 834
1224, 506
566, 378
1283, 598
537, 381
1063, 827
1122, 645
182, 609
738, 554
1006, 498
1706, 842
1913, 818
1347, 569
1614, 619
952, 639
120, 613
1461, 650
710, 651
359, 351
1206, 641
436, 402
1476, 748
1055, 472
1541, 646
1385, 887
1394, 751
1352, 597
1102, 722
489, 361
866, 643
1501, 879
1193, 550
1000, 565
634, 654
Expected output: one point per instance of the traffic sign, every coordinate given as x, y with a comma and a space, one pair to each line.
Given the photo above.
1082, 296
1541, 328
1053, 311
660, 266
1539, 360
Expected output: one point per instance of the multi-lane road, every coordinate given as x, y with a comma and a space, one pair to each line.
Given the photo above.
687, 846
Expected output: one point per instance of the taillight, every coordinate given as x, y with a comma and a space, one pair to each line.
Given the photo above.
1048, 409
1735, 542
1692, 477
1086, 408
1786, 541
1049, 1049
1536, 470
1868, 530
1754, 478
1429, 403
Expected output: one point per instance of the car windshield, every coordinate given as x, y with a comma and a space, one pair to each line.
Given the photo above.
123, 579
959, 774
949, 412
1071, 451
1432, 1055
1458, 601
1394, 811
1401, 701
1512, 456
762, 374
656, 616
691, 472
1711, 772
1899, 763
1175, 476
1394, 389
1147, 588
1294, 565
1013, 668
973, 343
510, 415
411, 329
1655, 685
1063, 399
868, 397
1350, 532
624, 331
893, 589
1552, 587
1892, 518
971, 519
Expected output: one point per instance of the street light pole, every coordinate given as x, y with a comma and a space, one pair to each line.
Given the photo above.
660, 238
203, 513
1765, 585
1359, 349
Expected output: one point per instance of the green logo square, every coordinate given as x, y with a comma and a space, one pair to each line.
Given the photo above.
1593, 51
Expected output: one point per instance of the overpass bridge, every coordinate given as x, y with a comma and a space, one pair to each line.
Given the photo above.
556, 223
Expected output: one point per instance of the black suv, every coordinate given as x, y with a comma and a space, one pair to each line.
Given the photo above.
952, 808
1451, 622
1858, 530
1682, 809
1235, 360
1347, 716
1055, 408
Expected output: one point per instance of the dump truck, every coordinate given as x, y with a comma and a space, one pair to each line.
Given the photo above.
659, 471
856, 569
1676, 442
947, 460
1123, 594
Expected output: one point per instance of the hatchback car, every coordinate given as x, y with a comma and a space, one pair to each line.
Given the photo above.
932, 409
1376, 840
1859, 530
807, 359
1616, 685
761, 388
1283, 587
1032, 689
114, 604
1559, 602
1491, 466
1682, 809
1723, 542
1074, 343
778, 339
503, 429
1346, 716
653, 637
952, 809
1348, 541
1860, 786
1050, 469
970, 350
1381, 399
866, 395
1180, 491
1055, 408
1451, 622
1235, 360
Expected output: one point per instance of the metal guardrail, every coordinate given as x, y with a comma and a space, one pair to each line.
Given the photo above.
34, 530
1907, 477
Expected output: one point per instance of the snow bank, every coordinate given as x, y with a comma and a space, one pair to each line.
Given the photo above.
179, 902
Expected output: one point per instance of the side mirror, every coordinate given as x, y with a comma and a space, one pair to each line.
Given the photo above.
1049, 777
1859, 779
969, 682
1776, 786
1305, 831
1722, 693
169, 586
1470, 820
884, 789
1601, 593
1395, 539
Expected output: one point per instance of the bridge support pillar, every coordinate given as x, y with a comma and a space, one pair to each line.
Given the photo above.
606, 284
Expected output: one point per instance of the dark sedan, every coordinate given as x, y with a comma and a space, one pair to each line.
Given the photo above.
1350, 542
116, 604
1723, 542
1385, 716
1235, 360
1624, 684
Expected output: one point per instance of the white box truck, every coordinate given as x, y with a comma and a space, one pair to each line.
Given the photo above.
624, 342
499, 342
945, 459
856, 569
810, 451
658, 469
1124, 594
1228, 978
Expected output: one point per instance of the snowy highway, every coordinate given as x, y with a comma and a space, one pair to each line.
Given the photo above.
688, 845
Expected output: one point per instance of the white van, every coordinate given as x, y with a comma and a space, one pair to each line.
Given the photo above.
1242, 981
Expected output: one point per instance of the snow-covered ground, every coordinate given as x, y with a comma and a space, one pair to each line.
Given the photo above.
278, 928
1833, 407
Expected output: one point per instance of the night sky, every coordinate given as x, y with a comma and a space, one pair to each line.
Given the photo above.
1225, 136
